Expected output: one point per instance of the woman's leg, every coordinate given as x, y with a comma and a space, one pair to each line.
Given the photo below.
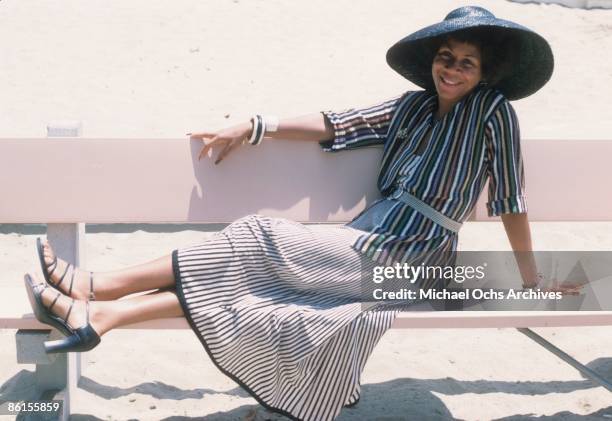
107, 315
112, 285
147, 276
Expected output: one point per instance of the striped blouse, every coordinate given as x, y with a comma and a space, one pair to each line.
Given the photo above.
478, 139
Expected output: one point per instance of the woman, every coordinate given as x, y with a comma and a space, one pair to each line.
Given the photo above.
276, 304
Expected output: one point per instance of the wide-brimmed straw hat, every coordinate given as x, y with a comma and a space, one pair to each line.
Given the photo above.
532, 62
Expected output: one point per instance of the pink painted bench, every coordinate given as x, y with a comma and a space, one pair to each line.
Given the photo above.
161, 181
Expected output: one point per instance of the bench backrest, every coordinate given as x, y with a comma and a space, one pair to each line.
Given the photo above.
161, 180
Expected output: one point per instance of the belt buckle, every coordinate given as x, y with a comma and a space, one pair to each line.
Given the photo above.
397, 194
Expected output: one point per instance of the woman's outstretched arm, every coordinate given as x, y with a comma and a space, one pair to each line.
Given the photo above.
519, 235
313, 127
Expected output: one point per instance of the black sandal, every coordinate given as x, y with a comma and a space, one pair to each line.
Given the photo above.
53, 265
77, 340
43, 314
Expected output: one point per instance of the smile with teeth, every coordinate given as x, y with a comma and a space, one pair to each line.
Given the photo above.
448, 82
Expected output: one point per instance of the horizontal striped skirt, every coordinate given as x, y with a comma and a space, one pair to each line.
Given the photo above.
276, 306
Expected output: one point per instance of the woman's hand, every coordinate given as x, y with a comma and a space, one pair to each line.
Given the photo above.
553, 285
228, 138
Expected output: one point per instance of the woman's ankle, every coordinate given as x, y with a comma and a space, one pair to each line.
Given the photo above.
101, 317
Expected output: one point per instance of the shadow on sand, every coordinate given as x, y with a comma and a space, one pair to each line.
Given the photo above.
399, 399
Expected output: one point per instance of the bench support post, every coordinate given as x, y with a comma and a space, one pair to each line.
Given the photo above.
586, 371
68, 242
56, 374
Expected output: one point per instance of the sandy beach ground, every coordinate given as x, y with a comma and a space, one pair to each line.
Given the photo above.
161, 69
439, 374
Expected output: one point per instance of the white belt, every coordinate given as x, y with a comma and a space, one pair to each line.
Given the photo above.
422, 207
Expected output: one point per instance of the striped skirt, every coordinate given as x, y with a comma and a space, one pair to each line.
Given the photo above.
276, 305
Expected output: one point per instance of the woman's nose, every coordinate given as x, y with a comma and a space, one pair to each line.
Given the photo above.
454, 71
453, 65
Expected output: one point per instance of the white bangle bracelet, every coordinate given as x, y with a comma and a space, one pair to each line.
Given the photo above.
271, 122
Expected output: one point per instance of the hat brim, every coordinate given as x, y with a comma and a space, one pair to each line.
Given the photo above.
411, 57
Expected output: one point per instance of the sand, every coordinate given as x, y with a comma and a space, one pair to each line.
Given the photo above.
161, 69
477, 374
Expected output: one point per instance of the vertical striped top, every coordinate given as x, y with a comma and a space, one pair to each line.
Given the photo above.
478, 139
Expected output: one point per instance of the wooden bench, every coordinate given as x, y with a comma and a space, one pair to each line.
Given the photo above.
67, 182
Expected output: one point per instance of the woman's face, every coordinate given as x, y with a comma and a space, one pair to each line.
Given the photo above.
456, 70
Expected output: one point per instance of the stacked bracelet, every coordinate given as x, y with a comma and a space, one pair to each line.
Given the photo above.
271, 123
259, 129
261, 126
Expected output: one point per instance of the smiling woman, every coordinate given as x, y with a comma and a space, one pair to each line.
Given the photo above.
276, 304
495, 51
456, 70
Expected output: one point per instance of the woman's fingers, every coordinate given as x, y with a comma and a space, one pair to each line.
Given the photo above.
229, 145
565, 290
225, 151
201, 135
228, 138
206, 147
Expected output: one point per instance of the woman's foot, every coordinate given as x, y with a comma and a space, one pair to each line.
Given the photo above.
65, 277
74, 312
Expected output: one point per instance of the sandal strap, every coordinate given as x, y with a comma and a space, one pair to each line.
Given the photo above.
69, 310
54, 264
39, 287
54, 300
71, 281
92, 296
57, 284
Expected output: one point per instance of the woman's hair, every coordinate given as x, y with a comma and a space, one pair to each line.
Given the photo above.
496, 49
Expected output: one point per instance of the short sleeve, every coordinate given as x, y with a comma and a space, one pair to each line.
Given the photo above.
360, 127
505, 163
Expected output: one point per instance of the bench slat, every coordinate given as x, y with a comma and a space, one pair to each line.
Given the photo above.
120, 181
408, 320
16, 314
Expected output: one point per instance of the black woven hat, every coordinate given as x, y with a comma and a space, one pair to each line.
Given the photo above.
531, 66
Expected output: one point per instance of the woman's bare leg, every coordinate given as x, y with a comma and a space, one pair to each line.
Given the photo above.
116, 284
147, 276
107, 315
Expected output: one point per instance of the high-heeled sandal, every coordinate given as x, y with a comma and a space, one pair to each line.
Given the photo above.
45, 270
81, 339
43, 314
